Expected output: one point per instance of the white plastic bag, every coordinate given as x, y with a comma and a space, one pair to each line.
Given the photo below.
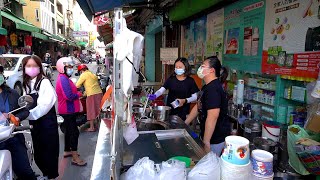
143, 169
173, 170
130, 132
208, 168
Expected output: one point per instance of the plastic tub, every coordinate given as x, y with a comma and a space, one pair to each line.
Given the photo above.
262, 163
236, 150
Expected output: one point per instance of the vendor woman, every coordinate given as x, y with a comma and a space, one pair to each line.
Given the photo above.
212, 107
181, 87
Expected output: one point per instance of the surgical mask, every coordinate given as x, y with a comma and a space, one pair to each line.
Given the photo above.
179, 71
200, 72
2, 80
32, 71
69, 71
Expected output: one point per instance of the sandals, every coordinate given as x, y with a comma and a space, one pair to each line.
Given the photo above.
68, 155
79, 163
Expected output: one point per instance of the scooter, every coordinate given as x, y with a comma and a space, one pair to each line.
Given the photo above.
7, 131
48, 70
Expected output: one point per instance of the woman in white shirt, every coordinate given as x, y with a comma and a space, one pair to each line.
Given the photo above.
42, 116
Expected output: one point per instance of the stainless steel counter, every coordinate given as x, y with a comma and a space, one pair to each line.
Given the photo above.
101, 162
159, 145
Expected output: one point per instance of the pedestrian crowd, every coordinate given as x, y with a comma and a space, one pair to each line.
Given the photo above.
42, 115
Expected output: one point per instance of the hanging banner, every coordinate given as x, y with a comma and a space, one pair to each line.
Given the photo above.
80, 33
292, 38
188, 43
243, 32
200, 38
214, 37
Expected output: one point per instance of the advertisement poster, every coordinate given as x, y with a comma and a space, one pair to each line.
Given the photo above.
200, 38
189, 48
243, 35
292, 38
215, 34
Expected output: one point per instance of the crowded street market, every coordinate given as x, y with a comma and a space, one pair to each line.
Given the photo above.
160, 89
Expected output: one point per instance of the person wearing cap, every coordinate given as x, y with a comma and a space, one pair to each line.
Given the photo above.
16, 144
93, 92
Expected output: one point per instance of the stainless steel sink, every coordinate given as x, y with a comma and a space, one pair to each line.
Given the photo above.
151, 126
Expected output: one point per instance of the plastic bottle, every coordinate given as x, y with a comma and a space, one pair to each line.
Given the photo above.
234, 97
255, 42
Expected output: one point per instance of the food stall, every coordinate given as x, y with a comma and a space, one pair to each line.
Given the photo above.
159, 136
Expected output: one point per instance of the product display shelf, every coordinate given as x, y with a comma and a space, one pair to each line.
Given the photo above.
259, 102
253, 86
280, 100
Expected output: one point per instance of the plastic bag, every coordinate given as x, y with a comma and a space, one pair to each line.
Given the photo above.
143, 169
208, 168
130, 132
173, 170
295, 132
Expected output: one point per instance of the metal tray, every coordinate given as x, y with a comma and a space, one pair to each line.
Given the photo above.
146, 145
178, 142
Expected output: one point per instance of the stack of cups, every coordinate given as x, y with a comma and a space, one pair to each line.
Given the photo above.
235, 160
262, 164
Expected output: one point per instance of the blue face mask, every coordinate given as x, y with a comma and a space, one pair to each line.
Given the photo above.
179, 71
2, 80
69, 72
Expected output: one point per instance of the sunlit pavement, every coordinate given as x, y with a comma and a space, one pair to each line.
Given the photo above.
86, 149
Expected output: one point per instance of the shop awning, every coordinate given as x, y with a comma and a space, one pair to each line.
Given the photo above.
20, 23
39, 36
81, 43
71, 43
22, 2
3, 31
91, 7
57, 38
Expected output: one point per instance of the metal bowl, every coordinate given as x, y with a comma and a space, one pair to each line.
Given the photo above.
138, 112
161, 113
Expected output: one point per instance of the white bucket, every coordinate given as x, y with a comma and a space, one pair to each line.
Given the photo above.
235, 172
236, 150
262, 163
271, 130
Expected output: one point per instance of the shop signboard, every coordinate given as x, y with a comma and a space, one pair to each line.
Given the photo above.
214, 42
168, 55
188, 43
200, 38
292, 38
80, 33
102, 20
243, 32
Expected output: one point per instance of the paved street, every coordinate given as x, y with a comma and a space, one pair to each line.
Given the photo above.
87, 144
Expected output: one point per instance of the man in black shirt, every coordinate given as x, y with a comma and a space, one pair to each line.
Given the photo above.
212, 107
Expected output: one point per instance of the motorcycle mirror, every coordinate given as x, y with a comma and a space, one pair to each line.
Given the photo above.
25, 101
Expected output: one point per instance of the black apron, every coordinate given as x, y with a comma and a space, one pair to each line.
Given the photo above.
45, 137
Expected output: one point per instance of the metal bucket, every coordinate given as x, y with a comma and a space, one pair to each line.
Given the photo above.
138, 112
161, 113
252, 129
